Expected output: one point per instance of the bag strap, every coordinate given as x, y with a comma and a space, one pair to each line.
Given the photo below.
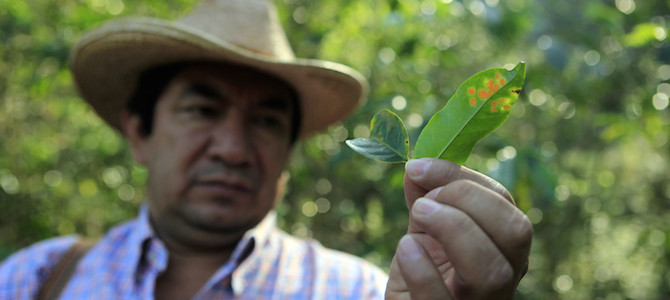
61, 273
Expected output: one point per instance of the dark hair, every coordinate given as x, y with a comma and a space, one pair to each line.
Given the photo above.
152, 83
149, 88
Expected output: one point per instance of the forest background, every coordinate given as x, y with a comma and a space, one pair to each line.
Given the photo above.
585, 151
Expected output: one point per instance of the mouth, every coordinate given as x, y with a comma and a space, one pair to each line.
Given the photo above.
229, 187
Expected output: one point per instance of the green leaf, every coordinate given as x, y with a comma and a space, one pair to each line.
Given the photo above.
479, 106
388, 140
644, 34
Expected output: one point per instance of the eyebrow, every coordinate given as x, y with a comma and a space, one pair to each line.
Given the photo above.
202, 90
275, 103
271, 102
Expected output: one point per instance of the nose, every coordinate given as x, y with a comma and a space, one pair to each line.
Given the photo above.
230, 141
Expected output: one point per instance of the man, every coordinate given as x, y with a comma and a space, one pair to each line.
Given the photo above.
211, 105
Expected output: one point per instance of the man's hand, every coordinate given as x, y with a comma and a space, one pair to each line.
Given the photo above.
466, 238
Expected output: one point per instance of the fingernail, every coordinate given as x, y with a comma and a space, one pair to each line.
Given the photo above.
409, 249
425, 206
416, 167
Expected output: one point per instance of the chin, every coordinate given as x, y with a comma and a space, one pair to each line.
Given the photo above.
219, 219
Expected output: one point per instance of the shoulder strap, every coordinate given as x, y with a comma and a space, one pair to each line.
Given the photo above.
61, 273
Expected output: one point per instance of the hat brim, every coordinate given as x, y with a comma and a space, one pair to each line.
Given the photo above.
107, 62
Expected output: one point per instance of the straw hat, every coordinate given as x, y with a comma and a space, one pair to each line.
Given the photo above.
106, 62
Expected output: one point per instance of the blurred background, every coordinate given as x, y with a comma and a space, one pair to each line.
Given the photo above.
585, 151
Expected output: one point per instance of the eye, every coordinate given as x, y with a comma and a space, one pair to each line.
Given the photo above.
268, 121
272, 122
200, 110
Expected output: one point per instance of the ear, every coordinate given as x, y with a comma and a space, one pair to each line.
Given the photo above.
132, 129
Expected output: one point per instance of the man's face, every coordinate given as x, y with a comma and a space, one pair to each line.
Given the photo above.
220, 140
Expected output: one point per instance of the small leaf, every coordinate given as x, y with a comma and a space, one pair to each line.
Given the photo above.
388, 140
479, 106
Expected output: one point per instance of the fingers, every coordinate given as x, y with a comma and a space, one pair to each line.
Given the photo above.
482, 266
483, 199
475, 251
507, 226
422, 277
474, 220
423, 175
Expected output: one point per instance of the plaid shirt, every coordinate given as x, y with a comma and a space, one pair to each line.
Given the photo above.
266, 264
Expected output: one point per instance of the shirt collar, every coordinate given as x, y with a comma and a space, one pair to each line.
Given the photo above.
139, 241
148, 248
261, 233
254, 239
143, 230
251, 244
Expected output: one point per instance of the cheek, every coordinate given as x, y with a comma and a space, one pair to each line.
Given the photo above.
274, 158
170, 160
163, 172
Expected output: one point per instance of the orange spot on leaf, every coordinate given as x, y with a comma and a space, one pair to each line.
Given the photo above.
502, 81
494, 103
471, 91
496, 87
490, 84
483, 94
473, 101
507, 107
494, 109
497, 75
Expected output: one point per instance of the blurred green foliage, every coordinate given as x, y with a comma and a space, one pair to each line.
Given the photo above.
585, 151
